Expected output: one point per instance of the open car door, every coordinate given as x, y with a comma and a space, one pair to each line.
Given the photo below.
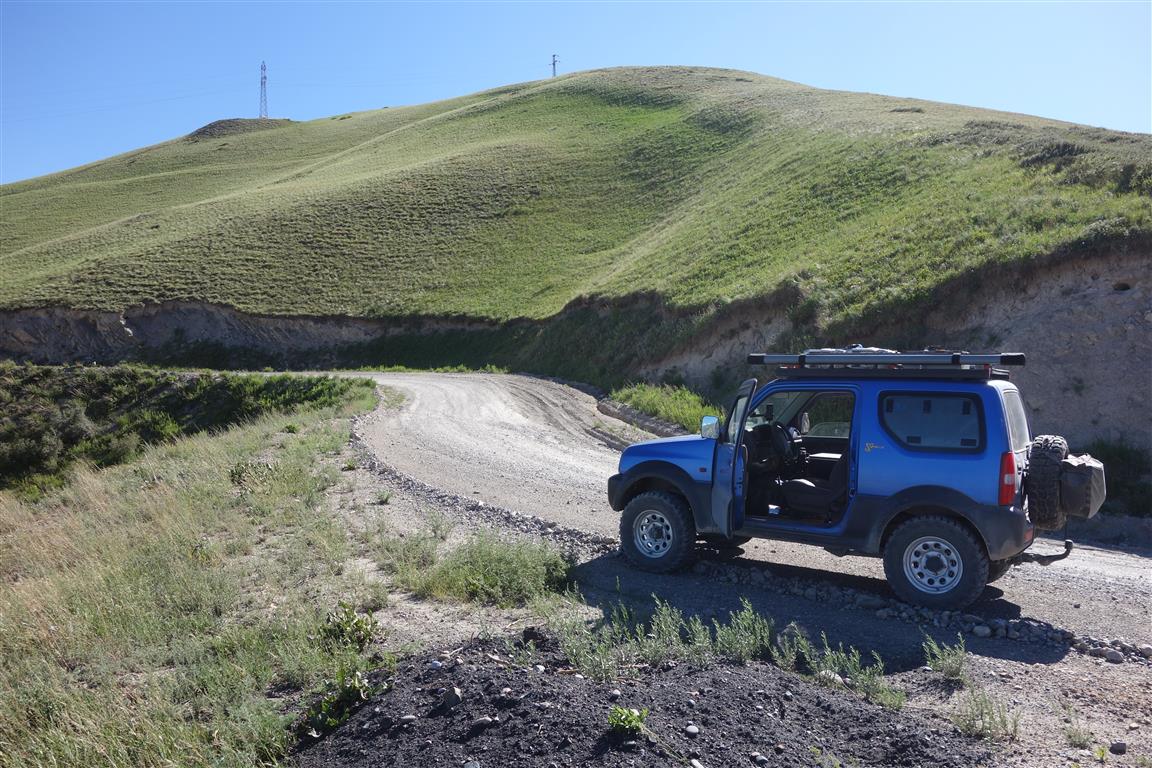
730, 467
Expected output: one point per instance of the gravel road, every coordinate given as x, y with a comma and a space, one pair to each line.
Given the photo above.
539, 447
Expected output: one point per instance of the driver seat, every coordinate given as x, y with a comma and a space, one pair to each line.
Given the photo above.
814, 498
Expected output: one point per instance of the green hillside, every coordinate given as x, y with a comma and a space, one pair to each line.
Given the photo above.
702, 186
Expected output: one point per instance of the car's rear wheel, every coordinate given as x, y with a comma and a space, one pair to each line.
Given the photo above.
935, 562
656, 532
997, 569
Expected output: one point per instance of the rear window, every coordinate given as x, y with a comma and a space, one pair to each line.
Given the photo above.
1017, 420
933, 421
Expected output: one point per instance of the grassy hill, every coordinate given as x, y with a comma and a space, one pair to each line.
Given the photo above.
699, 186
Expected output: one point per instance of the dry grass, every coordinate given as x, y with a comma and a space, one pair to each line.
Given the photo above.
147, 610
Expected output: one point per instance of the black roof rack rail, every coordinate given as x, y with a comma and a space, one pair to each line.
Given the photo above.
821, 358
860, 362
841, 372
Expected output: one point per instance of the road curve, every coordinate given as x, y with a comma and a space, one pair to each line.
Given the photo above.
539, 447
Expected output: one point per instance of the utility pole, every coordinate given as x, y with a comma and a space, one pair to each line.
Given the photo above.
263, 89
554, 60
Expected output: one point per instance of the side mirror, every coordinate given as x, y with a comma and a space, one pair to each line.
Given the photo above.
710, 427
805, 423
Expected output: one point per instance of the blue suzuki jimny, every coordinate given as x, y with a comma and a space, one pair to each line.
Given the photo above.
922, 458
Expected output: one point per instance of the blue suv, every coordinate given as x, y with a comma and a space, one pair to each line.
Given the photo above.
919, 458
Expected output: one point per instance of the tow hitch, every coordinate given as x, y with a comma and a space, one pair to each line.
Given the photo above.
1029, 557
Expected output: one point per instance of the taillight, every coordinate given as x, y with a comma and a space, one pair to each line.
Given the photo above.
1007, 479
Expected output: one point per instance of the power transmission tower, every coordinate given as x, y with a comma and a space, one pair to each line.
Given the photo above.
263, 90
554, 60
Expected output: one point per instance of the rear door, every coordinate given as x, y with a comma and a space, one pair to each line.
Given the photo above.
1019, 436
728, 471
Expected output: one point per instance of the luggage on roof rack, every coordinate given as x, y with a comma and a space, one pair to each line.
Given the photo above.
874, 362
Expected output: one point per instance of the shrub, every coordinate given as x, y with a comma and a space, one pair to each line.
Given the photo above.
342, 697
626, 722
951, 661
983, 716
745, 637
490, 570
847, 664
405, 556
791, 649
346, 627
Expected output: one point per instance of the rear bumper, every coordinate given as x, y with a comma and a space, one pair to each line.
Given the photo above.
1007, 531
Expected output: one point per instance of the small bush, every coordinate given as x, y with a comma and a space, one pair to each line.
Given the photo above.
405, 556
496, 572
343, 696
346, 627
626, 722
1075, 733
662, 642
868, 681
951, 661
982, 716
791, 649
745, 637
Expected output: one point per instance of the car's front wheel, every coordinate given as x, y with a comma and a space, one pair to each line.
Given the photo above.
935, 562
656, 532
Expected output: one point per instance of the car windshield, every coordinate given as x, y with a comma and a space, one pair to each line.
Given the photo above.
779, 404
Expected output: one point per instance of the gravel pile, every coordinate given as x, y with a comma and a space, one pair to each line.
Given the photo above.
474, 707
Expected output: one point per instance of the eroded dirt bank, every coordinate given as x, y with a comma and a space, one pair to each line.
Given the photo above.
1086, 325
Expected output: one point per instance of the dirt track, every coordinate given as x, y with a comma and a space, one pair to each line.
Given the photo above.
537, 447
542, 448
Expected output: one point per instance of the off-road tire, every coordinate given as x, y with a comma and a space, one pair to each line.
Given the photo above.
963, 545
680, 532
1042, 485
997, 569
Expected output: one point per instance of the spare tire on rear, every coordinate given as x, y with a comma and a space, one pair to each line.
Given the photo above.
1042, 484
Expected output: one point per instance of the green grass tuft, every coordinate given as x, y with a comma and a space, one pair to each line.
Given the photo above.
675, 404
951, 661
490, 570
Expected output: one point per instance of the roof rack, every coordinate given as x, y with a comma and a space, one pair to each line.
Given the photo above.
858, 361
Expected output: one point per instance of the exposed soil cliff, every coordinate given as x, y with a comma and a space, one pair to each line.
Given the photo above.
1085, 324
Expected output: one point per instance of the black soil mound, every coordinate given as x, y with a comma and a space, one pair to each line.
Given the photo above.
512, 717
235, 125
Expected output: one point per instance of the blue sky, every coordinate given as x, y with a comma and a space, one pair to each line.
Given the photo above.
83, 81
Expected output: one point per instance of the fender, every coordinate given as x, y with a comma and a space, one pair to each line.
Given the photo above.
660, 475
1005, 531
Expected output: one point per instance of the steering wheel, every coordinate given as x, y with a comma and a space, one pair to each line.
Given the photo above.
785, 445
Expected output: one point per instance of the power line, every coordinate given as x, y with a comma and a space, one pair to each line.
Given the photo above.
263, 89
